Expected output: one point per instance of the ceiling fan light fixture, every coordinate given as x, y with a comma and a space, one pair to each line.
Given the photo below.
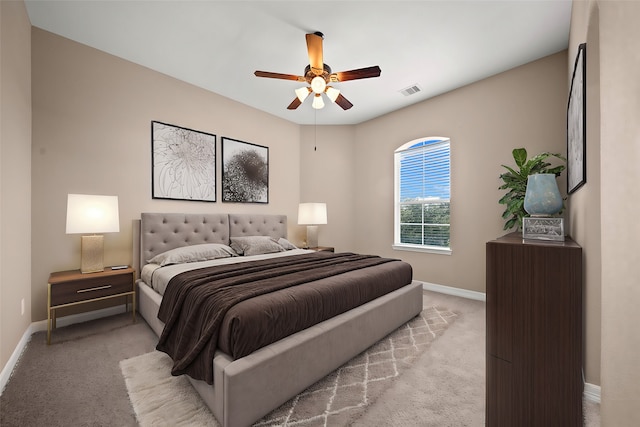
332, 93
318, 103
302, 93
318, 84
318, 75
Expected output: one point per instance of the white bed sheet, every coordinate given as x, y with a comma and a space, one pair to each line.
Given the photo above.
158, 277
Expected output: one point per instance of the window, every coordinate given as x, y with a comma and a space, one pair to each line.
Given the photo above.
422, 195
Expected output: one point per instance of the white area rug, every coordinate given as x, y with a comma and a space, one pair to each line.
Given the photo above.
160, 399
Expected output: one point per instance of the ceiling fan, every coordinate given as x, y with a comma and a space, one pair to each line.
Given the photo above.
318, 75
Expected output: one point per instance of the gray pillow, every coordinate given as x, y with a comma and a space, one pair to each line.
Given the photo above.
287, 245
193, 253
255, 245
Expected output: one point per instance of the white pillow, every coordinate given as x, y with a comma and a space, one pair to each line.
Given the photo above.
255, 245
193, 253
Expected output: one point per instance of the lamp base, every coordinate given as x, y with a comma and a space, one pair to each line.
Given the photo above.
312, 236
92, 254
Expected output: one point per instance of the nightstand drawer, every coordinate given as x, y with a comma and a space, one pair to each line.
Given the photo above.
90, 288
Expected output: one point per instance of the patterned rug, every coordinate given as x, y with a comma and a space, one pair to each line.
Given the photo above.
342, 396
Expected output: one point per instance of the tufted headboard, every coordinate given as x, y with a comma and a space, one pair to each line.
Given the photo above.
160, 232
257, 225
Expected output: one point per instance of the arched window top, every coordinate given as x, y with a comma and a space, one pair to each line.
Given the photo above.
421, 142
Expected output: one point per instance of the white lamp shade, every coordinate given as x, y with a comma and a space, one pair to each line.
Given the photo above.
302, 93
332, 93
312, 213
318, 103
92, 214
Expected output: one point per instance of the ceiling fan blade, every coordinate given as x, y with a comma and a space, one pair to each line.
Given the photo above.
294, 104
279, 76
343, 102
314, 49
361, 73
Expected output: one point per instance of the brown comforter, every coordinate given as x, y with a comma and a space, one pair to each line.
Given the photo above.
196, 302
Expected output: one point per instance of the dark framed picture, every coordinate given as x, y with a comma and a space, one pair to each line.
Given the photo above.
576, 124
245, 172
184, 163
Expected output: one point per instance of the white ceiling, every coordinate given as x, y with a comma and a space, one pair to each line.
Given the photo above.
217, 45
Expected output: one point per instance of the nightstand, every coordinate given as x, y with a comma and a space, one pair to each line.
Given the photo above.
322, 248
69, 288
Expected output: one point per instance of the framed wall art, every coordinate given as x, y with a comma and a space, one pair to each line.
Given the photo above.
576, 124
184, 163
245, 172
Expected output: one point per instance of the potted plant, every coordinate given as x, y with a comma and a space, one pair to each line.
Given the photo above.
516, 182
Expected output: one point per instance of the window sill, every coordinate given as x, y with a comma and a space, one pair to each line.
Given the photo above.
427, 249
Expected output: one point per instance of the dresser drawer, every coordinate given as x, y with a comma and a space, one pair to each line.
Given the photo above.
90, 288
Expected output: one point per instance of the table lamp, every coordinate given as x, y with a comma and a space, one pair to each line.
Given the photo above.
92, 214
311, 215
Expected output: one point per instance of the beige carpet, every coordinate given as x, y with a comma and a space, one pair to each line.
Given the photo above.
338, 399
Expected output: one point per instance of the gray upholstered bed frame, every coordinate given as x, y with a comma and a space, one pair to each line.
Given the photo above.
246, 389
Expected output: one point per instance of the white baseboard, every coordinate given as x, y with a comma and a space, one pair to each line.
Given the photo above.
591, 393
464, 293
42, 326
15, 356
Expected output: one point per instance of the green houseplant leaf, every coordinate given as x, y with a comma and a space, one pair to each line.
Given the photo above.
515, 180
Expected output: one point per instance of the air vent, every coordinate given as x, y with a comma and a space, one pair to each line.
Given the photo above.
410, 90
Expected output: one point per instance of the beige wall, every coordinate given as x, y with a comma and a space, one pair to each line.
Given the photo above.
523, 107
584, 204
620, 150
603, 219
327, 175
611, 28
15, 175
91, 134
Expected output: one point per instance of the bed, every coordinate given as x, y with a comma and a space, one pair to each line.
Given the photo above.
246, 388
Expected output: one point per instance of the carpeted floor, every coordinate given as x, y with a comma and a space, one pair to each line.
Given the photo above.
77, 380
447, 388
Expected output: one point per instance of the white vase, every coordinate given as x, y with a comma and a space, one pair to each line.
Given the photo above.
542, 197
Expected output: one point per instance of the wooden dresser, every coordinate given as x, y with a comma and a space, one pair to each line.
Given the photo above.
534, 333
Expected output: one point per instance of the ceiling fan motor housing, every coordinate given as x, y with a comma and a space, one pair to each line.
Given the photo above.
309, 74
